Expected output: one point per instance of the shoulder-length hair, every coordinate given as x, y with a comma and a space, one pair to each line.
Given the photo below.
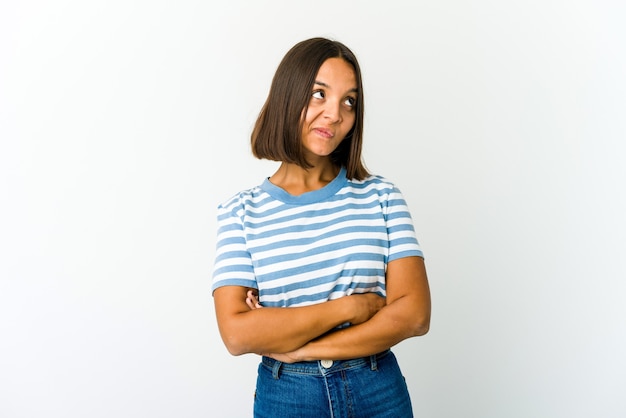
277, 134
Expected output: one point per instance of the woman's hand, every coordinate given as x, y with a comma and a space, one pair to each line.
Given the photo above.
366, 306
291, 357
252, 300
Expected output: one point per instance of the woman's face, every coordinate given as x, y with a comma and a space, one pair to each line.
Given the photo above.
331, 111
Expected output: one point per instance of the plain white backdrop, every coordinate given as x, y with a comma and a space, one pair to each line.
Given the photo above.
124, 123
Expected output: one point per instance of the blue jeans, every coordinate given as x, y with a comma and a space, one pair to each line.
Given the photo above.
368, 387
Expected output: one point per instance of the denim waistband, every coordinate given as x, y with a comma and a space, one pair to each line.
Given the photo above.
321, 367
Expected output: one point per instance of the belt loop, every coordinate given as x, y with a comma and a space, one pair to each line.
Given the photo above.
374, 365
276, 368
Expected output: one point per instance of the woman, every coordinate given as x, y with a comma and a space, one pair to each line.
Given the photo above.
318, 269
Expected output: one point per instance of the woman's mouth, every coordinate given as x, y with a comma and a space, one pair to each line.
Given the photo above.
326, 133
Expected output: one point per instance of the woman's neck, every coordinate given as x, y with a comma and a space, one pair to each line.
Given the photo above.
296, 180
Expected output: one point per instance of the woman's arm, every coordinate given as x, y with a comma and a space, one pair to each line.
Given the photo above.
280, 330
407, 314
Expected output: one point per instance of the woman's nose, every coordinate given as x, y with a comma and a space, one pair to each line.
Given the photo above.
331, 112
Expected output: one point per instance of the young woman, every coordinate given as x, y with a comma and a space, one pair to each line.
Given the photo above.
318, 269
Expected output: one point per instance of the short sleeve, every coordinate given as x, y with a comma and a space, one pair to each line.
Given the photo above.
400, 231
233, 264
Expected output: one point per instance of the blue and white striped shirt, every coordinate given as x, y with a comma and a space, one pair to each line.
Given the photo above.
318, 246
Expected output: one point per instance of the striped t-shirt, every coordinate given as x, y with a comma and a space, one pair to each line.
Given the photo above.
318, 246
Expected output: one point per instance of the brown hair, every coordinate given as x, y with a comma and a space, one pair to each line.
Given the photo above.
277, 133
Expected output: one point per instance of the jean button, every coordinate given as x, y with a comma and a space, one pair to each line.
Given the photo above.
327, 363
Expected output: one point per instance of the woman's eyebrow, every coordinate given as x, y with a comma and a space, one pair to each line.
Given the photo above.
321, 83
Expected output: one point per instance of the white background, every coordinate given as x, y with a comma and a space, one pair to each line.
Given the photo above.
124, 123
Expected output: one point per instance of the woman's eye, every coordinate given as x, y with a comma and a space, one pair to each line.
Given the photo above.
318, 94
350, 101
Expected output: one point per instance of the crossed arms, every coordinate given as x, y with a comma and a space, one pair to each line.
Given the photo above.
293, 334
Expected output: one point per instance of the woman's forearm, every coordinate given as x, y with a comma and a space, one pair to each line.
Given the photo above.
246, 330
281, 329
396, 322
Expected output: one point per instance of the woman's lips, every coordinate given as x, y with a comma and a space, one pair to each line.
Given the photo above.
326, 133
